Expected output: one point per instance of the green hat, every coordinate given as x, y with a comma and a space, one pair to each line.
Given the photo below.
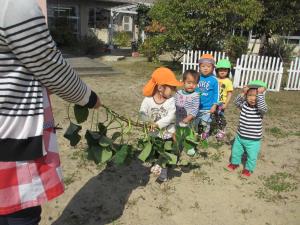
223, 63
257, 84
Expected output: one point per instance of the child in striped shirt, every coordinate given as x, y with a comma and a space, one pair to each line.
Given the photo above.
187, 100
253, 107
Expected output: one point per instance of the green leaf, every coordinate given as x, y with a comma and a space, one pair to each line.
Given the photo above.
72, 134
121, 155
102, 129
187, 145
75, 140
99, 154
105, 141
116, 135
204, 144
73, 128
146, 152
192, 141
92, 137
94, 153
168, 146
81, 113
106, 154
172, 159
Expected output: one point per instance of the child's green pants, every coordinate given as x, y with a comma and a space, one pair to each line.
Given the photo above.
252, 148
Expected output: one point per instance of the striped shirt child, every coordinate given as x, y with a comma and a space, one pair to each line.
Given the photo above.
186, 104
250, 122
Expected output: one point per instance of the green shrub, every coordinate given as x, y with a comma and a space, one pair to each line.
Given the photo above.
122, 38
90, 45
276, 47
235, 46
152, 47
63, 36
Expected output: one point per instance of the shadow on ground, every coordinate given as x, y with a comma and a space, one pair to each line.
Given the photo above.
103, 198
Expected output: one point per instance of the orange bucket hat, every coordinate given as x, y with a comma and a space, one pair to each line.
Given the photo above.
207, 58
160, 76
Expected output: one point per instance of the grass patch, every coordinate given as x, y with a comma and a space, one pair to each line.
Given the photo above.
216, 145
202, 176
277, 132
69, 179
276, 186
297, 133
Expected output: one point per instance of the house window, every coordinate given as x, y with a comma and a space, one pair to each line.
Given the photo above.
63, 17
98, 18
127, 23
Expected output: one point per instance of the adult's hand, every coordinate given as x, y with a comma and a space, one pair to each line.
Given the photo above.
98, 103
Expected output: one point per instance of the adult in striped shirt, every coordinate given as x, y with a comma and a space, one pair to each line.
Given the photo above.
253, 107
30, 67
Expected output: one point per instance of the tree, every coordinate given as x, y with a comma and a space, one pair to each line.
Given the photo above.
280, 17
203, 24
142, 19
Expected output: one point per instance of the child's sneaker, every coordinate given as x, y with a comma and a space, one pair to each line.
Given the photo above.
231, 167
245, 173
156, 170
220, 135
163, 177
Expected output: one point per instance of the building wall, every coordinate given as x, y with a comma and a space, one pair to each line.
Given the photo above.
83, 7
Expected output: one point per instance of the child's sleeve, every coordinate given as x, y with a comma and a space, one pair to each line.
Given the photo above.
170, 117
194, 108
261, 104
216, 95
239, 101
143, 112
229, 86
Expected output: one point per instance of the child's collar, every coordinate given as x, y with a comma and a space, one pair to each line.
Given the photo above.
208, 75
187, 93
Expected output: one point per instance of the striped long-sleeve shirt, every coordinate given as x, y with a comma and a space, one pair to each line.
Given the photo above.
30, 62
250, 122
186, 104
30, 172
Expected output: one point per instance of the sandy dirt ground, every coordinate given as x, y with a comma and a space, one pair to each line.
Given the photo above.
130, 195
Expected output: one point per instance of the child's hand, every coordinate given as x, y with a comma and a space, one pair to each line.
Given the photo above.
261, 90
186, 120
245, 89
213, 109
153, 126
98, 103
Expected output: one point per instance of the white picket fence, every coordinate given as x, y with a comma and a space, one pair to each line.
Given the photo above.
191, 58
253, 67
293, 82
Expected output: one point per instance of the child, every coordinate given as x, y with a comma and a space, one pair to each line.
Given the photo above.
209, 94
187, 101
159, 105
252, 104
223, 69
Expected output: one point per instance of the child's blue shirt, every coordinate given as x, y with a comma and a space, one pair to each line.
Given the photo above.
208, 87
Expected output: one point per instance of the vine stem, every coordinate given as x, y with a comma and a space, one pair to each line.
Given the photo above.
124, 119
92, 119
